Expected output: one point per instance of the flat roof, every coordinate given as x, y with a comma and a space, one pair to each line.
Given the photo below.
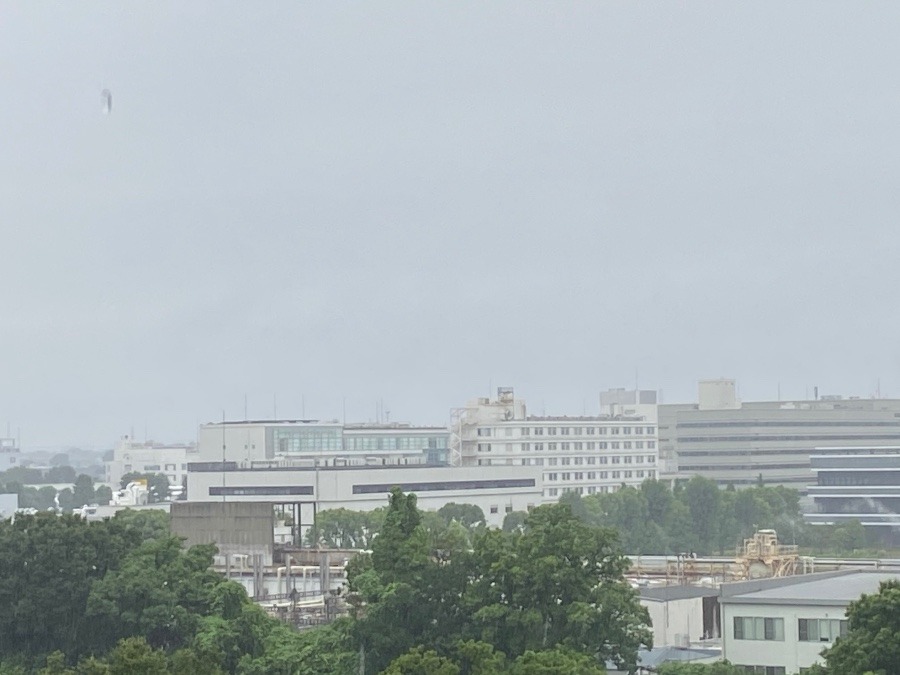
825, 589
664, 593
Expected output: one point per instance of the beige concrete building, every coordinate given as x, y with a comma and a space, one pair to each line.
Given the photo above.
735, 442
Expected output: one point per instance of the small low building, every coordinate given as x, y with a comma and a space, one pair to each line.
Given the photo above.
778, 626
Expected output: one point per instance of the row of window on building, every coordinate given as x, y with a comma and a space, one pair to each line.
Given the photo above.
567, 431
577, 446
808, 630
581, 490
595, 475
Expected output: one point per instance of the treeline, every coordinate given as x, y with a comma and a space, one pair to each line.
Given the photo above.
654, 519
123, 596
698, 517
82, 492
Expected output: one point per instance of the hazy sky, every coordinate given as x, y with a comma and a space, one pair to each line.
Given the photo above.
415, 201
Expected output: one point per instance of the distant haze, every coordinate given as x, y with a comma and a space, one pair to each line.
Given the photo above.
413, 202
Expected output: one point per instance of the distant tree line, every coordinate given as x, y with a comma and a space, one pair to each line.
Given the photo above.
652, 519
82, 492
122, 596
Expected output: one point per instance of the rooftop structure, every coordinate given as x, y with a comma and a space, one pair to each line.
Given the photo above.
741, 443
321, 443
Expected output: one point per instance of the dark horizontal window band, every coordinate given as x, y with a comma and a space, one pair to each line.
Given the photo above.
776, 423
381, 488
261, 490
751, 452
740, 467
755, 438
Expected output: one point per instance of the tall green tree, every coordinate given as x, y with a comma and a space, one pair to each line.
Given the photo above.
560, 582
873, 642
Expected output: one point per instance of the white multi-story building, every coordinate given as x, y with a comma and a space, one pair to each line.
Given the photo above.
780, 626
584, 454
130, 456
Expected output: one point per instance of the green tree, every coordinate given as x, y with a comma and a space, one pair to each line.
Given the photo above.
703, 499
159, 593
558, 661
514, 521
873, 641
467, 515
103, 494
659, 500
134, 656
560, 582
421, 661
83, 492
60, 474
343, 528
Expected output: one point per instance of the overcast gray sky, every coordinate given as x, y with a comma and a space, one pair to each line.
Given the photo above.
413, 201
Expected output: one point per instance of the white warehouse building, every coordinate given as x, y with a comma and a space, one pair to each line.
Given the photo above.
583, 454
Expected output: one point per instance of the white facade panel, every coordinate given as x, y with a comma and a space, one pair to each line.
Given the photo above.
790, 652
497, 491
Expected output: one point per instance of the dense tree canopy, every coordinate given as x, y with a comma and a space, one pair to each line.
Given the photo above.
556, 584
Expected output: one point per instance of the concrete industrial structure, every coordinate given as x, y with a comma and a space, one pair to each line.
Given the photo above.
737, 443
779, 626
585, 454
321, 443
497, 490
858, 484
130, 456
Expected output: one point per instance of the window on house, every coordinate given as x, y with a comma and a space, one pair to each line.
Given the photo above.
758, 628
822, 630
495, 508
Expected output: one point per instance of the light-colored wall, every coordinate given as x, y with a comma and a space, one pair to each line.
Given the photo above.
171, 462
674, 622
9, 502
333, 488
243, 442
791, 653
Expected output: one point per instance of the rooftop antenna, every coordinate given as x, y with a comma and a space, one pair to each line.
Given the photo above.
303, 406
275, 406
223, 456
245, 408
779, 391
343, 409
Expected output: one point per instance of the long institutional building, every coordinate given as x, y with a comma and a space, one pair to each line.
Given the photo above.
493, 455
736, 443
